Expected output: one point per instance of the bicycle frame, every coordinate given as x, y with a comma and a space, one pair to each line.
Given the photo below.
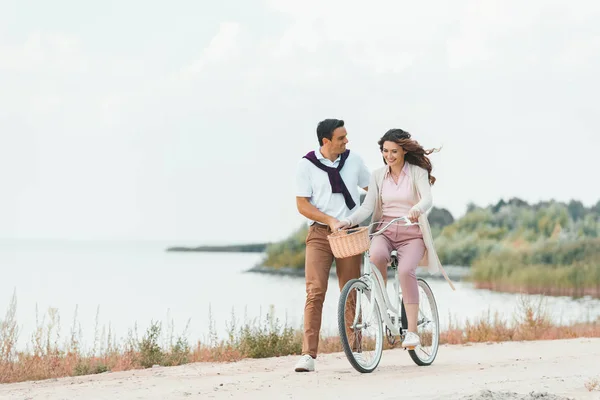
375, 282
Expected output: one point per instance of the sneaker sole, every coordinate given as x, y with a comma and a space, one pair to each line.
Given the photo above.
410, 347
303, 370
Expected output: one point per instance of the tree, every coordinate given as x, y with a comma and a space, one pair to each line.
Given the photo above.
549, 217
472, 207
499, 206
440, 217
516, 202
556, 231
576, 210
596, 209
590, 226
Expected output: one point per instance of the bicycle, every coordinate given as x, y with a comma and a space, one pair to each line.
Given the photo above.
369, 294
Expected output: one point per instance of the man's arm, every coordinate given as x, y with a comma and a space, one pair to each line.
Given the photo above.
313, 213
303, 195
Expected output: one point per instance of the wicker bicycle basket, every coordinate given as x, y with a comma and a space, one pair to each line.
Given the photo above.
350, 242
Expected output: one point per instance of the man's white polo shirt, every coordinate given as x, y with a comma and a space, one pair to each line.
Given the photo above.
313, 183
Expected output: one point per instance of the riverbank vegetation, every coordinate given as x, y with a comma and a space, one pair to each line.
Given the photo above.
549, 247
235, 248
48, 355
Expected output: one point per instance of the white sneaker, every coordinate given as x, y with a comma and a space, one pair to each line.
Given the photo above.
411, 340
305, 364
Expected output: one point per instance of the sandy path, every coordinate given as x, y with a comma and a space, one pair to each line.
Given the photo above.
558, 367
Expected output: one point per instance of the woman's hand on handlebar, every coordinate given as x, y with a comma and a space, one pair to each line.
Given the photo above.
414, 214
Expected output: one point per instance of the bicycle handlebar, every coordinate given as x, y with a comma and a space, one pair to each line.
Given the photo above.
407, 222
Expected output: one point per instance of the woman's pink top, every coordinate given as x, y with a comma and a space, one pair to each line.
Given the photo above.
397, 198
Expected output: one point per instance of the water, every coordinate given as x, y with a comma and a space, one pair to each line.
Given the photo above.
133, 283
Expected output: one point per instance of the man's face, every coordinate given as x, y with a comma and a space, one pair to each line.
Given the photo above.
338, 142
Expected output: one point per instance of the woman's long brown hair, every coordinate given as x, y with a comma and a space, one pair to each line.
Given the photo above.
415, 153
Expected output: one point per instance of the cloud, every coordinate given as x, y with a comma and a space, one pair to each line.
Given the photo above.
580, 52
110, 106
388, 36
222, 48
42, 50
44, 103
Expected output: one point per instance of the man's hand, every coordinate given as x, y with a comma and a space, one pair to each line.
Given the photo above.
313, 213
414, 215
333, 222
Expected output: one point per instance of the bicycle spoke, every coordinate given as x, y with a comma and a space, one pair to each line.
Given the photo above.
360, 326
427, 327
423, 350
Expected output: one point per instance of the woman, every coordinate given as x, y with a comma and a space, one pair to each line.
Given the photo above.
401, 188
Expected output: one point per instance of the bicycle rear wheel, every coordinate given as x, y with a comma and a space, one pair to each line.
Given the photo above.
428, 327
360, 326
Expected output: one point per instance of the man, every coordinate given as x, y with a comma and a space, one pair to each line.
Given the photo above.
327, 181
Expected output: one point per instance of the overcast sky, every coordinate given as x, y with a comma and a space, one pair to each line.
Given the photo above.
184, 121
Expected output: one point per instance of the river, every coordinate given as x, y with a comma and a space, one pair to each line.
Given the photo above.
133, 283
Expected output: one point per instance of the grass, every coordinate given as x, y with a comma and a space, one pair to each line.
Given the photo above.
49, 356
551, 267
593, 385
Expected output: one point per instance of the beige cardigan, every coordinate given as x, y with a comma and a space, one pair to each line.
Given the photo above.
373, 205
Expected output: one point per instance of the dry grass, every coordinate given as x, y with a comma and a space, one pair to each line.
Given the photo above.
47, 356
507, 287
530, 322
593, 385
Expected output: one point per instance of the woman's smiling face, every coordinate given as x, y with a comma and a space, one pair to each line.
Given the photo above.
393, 153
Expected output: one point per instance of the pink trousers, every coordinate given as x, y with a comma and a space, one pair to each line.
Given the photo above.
408, 242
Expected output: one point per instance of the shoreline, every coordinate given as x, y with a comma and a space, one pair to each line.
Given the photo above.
502, 287
234, 248
455, 273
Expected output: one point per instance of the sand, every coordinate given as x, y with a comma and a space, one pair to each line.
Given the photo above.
551, 370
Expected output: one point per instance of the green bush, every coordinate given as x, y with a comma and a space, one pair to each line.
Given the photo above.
562, 234
269, 340
150, 352
86, 368
462, 250
572, 266
289, 252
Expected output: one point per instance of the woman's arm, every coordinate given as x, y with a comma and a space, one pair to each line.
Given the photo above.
424, 190
367, 207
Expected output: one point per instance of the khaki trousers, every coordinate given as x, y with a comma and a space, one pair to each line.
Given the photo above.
319, 259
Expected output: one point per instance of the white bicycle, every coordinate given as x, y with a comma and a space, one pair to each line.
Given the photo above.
365, 308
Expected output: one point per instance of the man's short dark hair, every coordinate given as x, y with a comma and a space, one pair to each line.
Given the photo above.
326, 127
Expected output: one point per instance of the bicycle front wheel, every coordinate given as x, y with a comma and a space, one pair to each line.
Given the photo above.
428, 327
360, 326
